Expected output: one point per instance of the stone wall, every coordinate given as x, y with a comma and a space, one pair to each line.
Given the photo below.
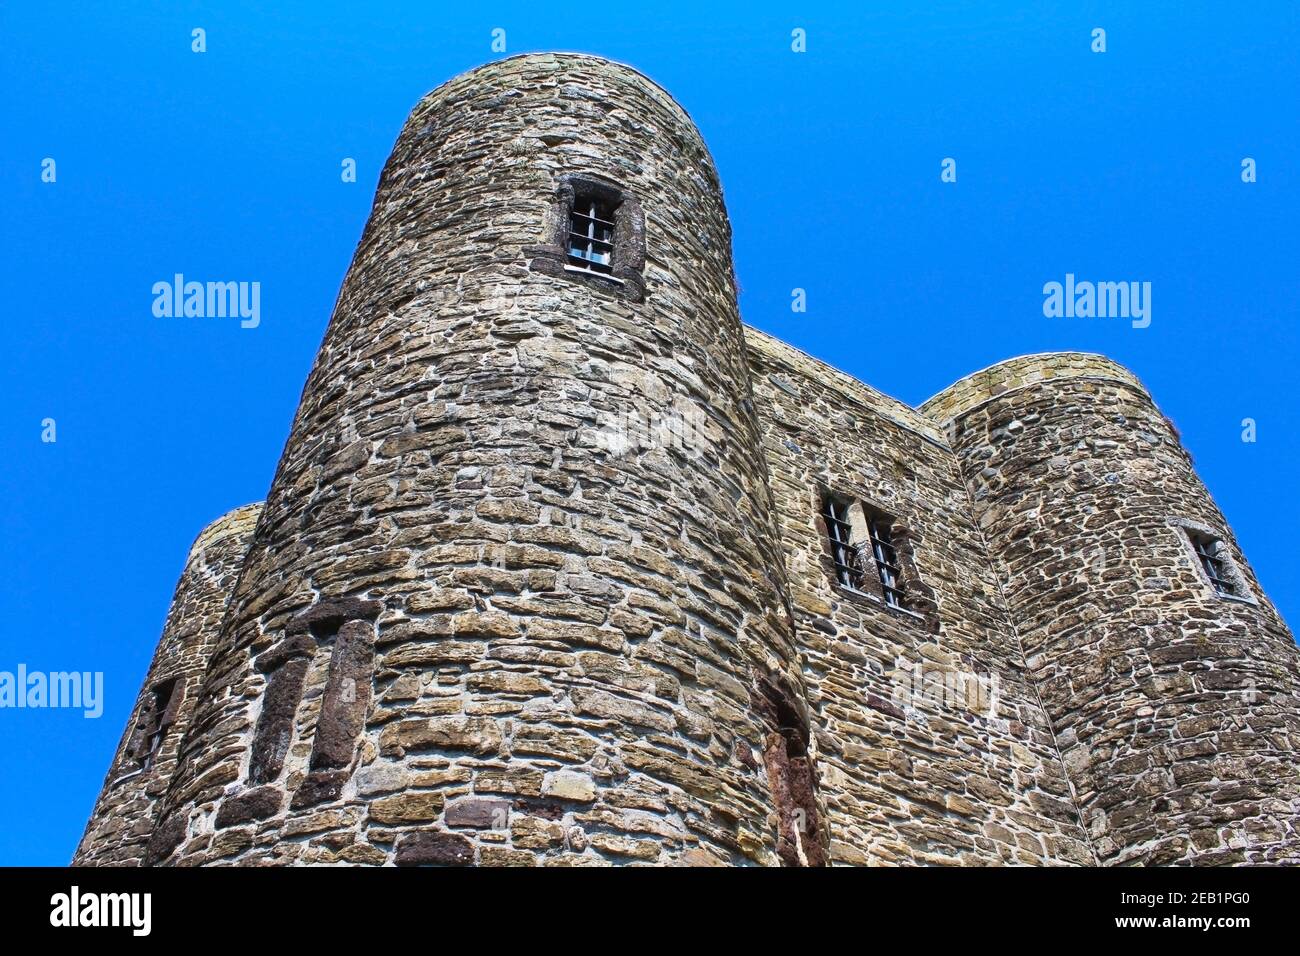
911, 771
124, 814
1177, 710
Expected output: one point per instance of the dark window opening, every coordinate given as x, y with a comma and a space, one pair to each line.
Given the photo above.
157, 716
881, 541
591, 234
1212, 555
594, 233
848, 569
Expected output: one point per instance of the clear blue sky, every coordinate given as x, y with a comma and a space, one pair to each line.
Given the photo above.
225, 165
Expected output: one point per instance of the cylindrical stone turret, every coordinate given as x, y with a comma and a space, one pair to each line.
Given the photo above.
124, 814
1171, 681
516, 596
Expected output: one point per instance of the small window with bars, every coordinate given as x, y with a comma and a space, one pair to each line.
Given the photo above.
591, 234
880, 538
862, 541
594, 234
844, 554
1212, 554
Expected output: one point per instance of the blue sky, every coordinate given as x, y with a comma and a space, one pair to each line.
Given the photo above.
1123, 165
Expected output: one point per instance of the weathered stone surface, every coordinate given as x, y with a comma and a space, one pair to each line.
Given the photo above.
569, 785
434, 849
482, 812
476, 734
410, 807
274, 730
382, 778
245, 807
612, 707
167, 835
319, 786
347, 696
505, 856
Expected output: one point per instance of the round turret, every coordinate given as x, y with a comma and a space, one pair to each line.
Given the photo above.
1172, 684
516, 595
123, 818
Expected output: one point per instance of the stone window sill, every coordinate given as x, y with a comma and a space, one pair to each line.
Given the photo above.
879, 601
127, 776
594, 274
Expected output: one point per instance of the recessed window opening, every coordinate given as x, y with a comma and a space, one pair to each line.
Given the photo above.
157, 719
881, 541
872, 553
1210, 552
594, 234
591, 235
843, 553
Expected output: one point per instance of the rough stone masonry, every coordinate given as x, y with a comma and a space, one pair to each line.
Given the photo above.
466, 628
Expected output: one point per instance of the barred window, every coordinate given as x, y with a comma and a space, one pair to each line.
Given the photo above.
1213, 557
868, 552
591, 234
594, 234
843, 553
881, 540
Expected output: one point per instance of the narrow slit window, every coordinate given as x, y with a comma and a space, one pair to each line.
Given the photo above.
1210, 552
591, 235
154, 723
881, 542
840, 531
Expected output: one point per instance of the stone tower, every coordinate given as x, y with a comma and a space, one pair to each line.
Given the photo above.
563, 565
124, 815
459, 576
1175, 704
